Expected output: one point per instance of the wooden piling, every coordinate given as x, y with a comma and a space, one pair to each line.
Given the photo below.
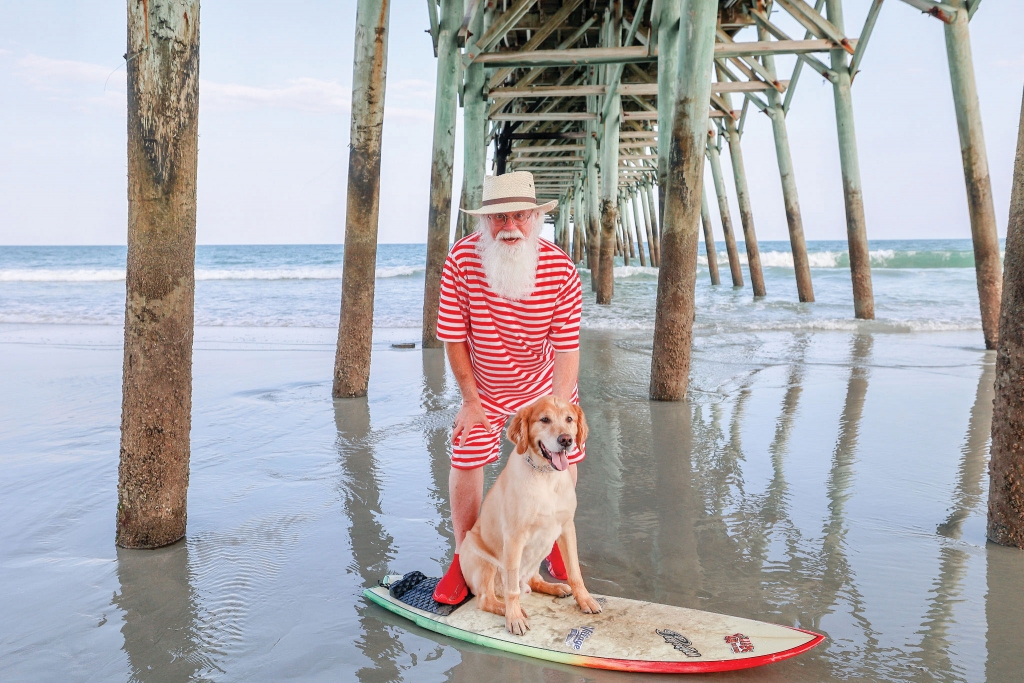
644, 193
577, 223
668, 67
856, 224
593, 206
609, 188
1006, 468
725, 214
709, 238
649, 207
739, 174
643, 229
626, 226
790, 198
674, 311
474, 125
355, 329
442, 156
987, 264
156, 407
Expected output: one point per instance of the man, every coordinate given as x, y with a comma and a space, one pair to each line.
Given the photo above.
510, 319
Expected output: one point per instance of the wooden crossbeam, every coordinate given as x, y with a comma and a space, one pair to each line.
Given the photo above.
815, 23
625, 89
638, 54
541, 34
499, 28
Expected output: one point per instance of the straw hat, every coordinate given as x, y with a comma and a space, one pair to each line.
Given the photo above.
510, 192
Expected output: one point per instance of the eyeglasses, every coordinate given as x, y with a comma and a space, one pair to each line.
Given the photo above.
519, 217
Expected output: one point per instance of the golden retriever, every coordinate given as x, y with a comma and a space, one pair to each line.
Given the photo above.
530, 506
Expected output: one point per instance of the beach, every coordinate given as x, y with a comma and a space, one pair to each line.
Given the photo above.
824, 473
831, 480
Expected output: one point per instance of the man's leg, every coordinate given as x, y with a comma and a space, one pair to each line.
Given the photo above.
466, 492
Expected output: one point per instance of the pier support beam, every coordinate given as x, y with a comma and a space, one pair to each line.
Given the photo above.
674, 311
627, 224
975, 159
668, 67
650, 208
593, 208
709, 238
643, 228
856, 224
1006, 468
577, 223
163, 142
474, 124
739, 174
355, 330
442, 156
609, 196
723, 210
797, 243
643, 192
633, 218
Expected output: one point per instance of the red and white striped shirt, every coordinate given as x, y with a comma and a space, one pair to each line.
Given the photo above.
512, 343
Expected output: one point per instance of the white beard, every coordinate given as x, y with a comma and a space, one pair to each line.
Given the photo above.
511, 269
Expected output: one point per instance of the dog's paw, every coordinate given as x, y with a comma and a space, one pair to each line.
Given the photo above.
563, 590
517, 625
588, 604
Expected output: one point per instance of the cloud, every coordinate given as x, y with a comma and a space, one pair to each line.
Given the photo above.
86, 84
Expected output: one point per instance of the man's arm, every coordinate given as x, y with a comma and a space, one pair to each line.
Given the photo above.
472, 411
566, 373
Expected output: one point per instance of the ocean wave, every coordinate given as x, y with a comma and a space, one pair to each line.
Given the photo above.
880, 258
202, 274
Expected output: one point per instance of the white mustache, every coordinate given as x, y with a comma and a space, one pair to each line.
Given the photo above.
510, 235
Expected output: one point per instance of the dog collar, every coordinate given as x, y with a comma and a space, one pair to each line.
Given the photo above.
545, 470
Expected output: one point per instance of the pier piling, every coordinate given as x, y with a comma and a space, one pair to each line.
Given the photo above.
355, 329
739, 174
163, 137
674, 311
442, 157
714, 159
709, 238
1006, 468
856, 224
975, 159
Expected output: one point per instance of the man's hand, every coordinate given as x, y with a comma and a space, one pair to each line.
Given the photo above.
470, 415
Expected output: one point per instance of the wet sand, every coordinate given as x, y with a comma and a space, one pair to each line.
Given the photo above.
834, 481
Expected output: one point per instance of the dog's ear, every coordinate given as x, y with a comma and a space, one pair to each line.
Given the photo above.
519, 430
581, 425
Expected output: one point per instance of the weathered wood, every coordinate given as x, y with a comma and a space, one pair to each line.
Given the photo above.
163, 137
1006, 468
739, 174
790, 198
593, 208
726, 215
987, 264
625, 89
638, 54
577, 222
609, 183
674, 311
856, 224
625, 230
668, 66
442, 157
709, 238
474, 126
355, 328
652, 221
642, 229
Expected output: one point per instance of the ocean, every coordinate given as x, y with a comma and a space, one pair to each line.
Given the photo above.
919, 285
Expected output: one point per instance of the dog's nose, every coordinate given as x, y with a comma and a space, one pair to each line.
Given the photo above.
564, 440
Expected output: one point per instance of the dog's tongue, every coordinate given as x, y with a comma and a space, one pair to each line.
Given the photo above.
560, 461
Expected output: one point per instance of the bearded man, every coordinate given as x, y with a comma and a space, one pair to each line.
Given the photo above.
510, 320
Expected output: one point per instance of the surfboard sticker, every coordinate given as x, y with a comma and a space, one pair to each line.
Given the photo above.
629, 635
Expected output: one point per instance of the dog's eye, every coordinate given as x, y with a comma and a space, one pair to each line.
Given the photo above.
568, 419
546, 420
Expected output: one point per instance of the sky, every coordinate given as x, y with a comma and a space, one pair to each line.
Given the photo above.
274, 124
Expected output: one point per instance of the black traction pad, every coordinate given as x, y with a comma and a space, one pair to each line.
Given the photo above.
417, 590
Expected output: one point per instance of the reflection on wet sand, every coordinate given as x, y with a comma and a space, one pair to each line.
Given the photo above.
370, 542
436, 433
161, 616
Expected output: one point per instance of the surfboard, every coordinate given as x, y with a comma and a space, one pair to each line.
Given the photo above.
629, 635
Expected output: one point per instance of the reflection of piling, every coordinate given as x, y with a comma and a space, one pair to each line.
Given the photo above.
776, 112
709, 238
856, 225
673, 321
355, 330
714, 159
163, 126
739, 174
439, 215
1006, 487
975, 159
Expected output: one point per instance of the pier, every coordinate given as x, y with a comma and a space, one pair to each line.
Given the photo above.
616, 107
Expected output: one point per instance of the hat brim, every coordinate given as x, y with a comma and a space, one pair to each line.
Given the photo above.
509, 207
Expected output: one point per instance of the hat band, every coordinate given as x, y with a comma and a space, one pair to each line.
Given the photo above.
509, 200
